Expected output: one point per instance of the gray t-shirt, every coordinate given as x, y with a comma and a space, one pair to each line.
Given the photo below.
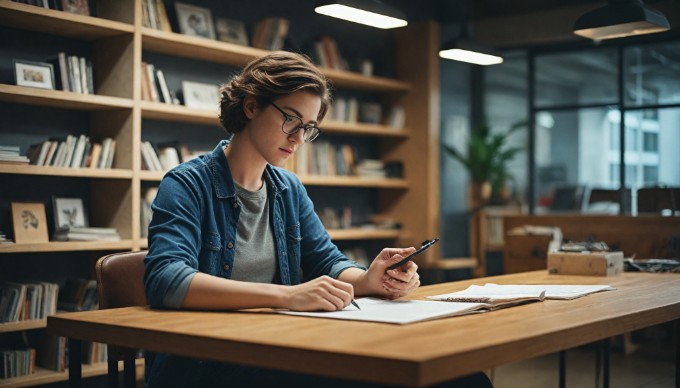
255, 257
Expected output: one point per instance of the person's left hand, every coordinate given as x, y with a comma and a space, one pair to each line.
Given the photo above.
393, 283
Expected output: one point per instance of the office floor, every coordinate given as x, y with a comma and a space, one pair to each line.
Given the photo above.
650, 366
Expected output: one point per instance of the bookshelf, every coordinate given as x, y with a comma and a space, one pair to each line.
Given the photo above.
117, 42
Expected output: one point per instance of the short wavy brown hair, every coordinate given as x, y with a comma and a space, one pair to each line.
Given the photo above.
273, 76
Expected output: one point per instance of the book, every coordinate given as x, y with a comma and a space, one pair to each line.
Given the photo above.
394, 311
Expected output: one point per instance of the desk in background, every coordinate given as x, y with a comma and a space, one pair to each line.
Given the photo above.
418, 354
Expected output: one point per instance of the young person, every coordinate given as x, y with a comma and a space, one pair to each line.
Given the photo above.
231, 229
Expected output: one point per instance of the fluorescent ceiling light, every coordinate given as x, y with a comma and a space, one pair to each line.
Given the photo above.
469, 51
370, 13
619, 19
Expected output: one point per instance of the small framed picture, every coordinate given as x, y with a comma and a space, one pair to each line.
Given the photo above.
34, 74
30, 222
195, 21
232, 31
69, 213
80, 7
201, 96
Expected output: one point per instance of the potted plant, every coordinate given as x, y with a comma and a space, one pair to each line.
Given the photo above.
487, 160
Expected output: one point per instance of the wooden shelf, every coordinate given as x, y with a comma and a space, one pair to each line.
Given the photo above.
362, 129
23, 325
318, 180
23, 16
192, 47
352, 181
169, 112
60, 99
347, 79
175, 44
363, 234
25, 169
46, 376
67, 246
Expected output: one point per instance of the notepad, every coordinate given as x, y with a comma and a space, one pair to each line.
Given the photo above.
396, 311
504, 294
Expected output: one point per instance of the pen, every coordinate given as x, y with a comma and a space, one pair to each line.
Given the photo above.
356, 304
426, 244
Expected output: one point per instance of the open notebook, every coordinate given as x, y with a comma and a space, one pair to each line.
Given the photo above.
395, 311
501, 295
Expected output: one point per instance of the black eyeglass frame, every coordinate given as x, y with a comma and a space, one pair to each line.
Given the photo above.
307, 127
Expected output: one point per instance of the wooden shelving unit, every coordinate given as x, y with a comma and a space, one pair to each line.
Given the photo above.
118, 41
45, 376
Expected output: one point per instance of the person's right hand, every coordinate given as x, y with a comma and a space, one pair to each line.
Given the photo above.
321, 294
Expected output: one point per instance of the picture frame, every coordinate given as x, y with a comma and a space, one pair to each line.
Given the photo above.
34, 74
80, 7
29, 222
194, 20
231, 31
199, 95
69, 213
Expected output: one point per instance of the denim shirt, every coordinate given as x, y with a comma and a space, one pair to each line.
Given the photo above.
193, 229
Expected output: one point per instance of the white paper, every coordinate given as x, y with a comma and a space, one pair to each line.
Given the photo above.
503, 292
395, 311
559, 291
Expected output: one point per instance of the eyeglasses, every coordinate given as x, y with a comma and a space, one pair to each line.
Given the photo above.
292, 124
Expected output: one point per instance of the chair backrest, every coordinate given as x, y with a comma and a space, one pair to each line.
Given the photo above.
657, 199
120, 283
120, 280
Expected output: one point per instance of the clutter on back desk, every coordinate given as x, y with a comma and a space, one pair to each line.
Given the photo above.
580, 246
652, 265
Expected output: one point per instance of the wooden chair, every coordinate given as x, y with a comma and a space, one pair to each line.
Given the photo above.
658, 199
120, 283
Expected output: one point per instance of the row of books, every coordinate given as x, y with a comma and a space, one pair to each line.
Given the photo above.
328, 55
270, 33
349, 110
357, 254
86, 234
165, 156
154, 87
73, 152
336, 219
155, 16
10, 154
324, 158
73, 73
17, 363
80, 7
159, 158
26, 301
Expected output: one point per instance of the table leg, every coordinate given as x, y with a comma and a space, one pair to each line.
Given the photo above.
563, 369
605, 362
677, 352
75, 363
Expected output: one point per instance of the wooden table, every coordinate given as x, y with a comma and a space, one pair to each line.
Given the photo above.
416, 355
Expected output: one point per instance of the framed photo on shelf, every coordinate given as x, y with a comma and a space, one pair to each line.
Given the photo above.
30, 222
69, 213
194, 21
34, 74
80, 7
200, 96
232, 31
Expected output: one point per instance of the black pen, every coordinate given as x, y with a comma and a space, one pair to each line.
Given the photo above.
426, 244
355, 304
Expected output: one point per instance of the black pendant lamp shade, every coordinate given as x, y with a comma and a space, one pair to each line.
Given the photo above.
620, 18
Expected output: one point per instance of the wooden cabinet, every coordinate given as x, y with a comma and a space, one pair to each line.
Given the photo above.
116, 43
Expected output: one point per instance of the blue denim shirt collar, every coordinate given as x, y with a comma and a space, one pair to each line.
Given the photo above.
223, 181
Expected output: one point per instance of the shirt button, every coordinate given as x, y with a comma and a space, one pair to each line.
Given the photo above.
235, 204
226, 267
230, 245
